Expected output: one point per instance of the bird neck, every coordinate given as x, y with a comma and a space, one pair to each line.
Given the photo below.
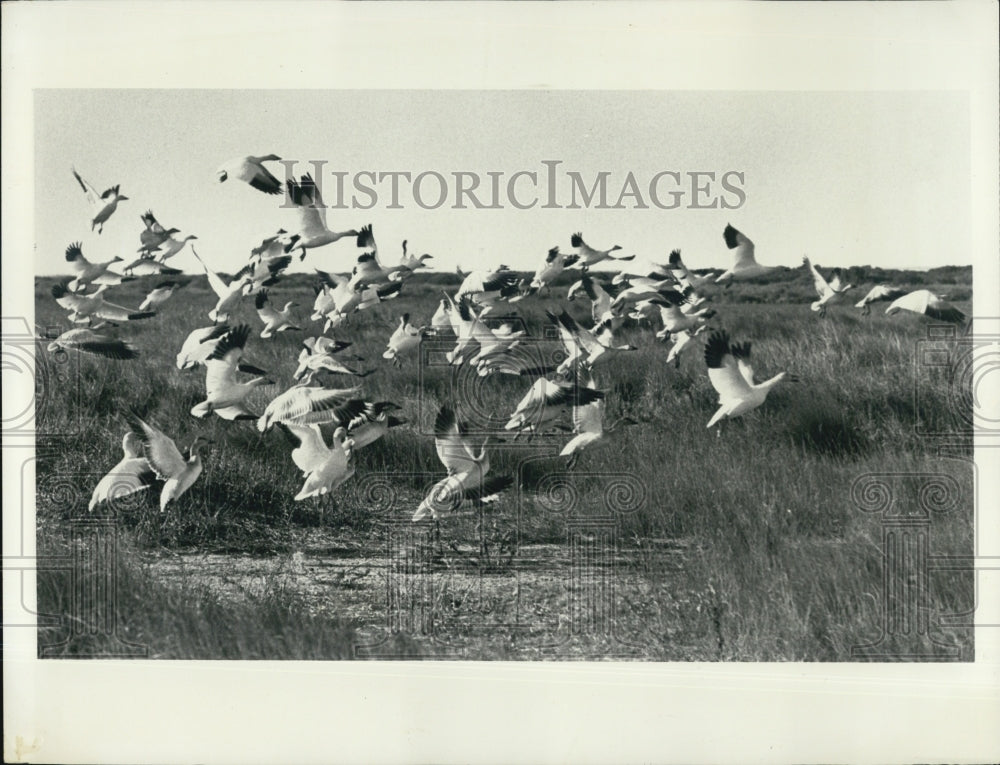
768, 384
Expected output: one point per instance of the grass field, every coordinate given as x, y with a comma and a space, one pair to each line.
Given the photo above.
669, 542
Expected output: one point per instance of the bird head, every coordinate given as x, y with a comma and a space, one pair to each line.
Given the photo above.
616, 247
223, 175
117, 259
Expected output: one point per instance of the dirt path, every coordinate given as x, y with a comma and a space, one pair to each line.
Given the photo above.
584, 599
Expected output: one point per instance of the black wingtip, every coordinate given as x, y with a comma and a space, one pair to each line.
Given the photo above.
576, 240
731, 235
716, 348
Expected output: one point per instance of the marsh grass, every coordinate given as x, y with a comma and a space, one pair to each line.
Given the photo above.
779, 563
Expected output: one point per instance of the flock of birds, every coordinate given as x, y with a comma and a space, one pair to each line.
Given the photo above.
670, 292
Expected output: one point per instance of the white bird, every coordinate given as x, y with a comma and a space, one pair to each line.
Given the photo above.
200, 344
271, 247
588, 425
827, 291
348, 299
877, 294
317, 355
274, 320
671, 303
683, 275
229, 294
682, 340
172, 247
159, 295
466, 483
102, 205
444, 320
252, 171
468, 327
487, 288
312, 230
731, 375
150, 267
404, 341
224, 394
583, 345
411, 263
302, 405
325, 467
87, 273
545, 402
84, 308
178, 470
600, 300
88, 341
154, 235
366, 421
927, 303
745, 265
588, 256
324, 302
132, 474
496, 342
550, 269
369, 270
639, 289
263, 273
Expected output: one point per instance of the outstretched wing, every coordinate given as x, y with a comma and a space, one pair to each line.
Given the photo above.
160, 450
92, 196
723, 370
450, 442
308, 204
821, 285
744, 248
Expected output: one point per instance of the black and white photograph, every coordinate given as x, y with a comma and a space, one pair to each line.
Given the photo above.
370, 372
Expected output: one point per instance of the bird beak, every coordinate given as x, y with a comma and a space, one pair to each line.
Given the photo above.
122, 199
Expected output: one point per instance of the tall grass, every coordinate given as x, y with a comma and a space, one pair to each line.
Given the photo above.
779, 563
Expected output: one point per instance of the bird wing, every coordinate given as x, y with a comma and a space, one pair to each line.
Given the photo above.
589, 418
741, 353
744, 248
219, 375
230, 347
821, 285
99, 345
723, 370
68, 300
267, 313
78, 263
262, 179
219, 287
112, 312
312, 452
92, 196
309, 205
160, 450
939, 309
450, 443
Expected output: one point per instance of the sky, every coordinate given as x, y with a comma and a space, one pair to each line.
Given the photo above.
848, 178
